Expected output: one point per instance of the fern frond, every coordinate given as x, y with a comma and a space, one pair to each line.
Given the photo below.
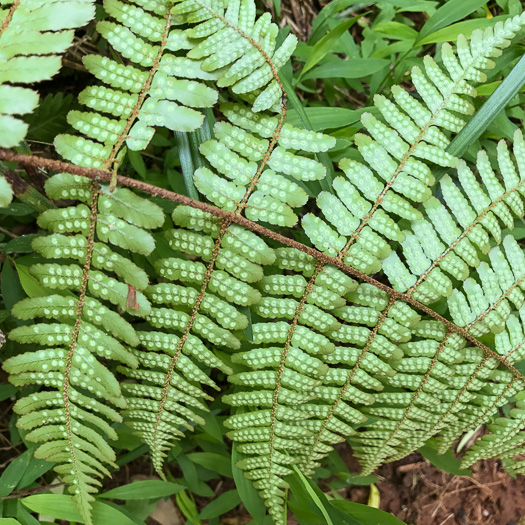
395, 179
246, 173
33, 35
73, 419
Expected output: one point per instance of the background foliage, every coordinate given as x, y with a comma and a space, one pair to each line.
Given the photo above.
350, 53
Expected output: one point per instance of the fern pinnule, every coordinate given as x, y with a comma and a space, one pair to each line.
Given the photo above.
247, 59
445, 243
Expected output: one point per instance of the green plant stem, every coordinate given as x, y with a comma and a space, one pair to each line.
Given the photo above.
186, 162
324, 158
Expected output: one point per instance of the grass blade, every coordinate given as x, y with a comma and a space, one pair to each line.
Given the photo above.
314, 496
490, 110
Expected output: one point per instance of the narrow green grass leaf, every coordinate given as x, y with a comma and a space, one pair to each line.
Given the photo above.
62, 507
221, 505
448, 13
186, 162
325, 45
490, 110
146, 489
328, 11
314, 496
249, 496
450, 33
352, 68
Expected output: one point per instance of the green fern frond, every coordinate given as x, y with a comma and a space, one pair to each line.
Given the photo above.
72, 416
395, 179
246, 173
33, 35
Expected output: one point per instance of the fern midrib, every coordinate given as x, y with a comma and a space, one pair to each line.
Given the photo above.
423, 277
77, 325
7, 20
494, 305
515, 349
437, 426
196, 308
91, 237
284, 354
142, 96
355, 235
351, 375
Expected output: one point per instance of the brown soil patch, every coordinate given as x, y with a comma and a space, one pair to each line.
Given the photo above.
420, 494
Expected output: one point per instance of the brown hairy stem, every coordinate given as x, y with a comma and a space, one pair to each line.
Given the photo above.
105, 176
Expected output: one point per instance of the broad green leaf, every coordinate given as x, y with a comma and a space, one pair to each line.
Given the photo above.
352, 68
311, 510
6, 391
249, 496
322, 118
62, 507
314, 496
147, 489
29, 283
211, 461
396, 30
450, 33
219, 506
13, 473
35, 469
9, 521
365, 514
447, 462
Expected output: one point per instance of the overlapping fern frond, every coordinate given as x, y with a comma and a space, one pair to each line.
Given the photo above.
332, 353
251, 161
92, 288
370, 330
33, 35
